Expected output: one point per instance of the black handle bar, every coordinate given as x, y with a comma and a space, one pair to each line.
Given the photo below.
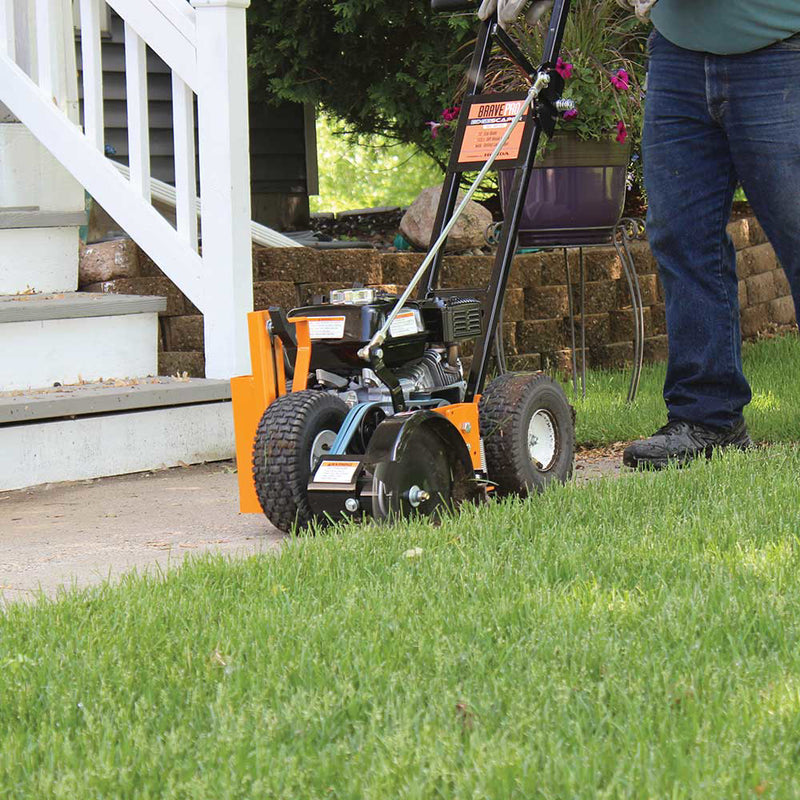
453, 5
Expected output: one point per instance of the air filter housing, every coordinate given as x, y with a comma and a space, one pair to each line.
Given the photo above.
453, 318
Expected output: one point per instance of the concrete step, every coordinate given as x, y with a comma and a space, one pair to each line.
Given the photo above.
115, 427
39, 251
41, 210
77, 336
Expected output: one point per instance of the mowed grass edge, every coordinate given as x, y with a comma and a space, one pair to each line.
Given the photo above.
630, 638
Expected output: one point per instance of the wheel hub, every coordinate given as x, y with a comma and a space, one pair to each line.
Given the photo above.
417, 496
321, 446
542, 439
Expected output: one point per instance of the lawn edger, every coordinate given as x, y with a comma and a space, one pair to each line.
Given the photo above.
360, 406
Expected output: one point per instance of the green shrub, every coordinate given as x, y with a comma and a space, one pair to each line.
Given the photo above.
381, 67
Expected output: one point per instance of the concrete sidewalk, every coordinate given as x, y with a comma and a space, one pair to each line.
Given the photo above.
84, 532
81, 533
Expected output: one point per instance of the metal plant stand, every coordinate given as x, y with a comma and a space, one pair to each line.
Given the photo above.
626, 231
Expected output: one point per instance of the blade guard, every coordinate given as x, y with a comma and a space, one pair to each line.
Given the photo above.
389, 443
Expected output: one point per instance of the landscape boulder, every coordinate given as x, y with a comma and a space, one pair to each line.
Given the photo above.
468, 233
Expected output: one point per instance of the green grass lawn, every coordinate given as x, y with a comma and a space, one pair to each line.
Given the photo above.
772, 367
632, 638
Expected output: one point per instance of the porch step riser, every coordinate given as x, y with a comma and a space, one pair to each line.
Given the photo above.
39, 201
114, 444
30, 176
38, 260
42, 352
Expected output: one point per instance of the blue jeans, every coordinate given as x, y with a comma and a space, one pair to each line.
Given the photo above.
713, 122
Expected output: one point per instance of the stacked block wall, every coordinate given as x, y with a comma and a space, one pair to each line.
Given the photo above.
536, 320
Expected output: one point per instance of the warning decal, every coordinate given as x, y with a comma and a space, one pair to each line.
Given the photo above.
326, 327
336, 472
405, 323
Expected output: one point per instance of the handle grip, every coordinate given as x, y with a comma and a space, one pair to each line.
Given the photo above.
447, 6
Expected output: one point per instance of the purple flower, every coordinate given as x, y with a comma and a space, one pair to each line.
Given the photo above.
449, 114
571, 114
434, 126
621, 81
564, 69
622, 132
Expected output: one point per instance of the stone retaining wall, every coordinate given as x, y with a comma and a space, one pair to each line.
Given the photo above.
536, 321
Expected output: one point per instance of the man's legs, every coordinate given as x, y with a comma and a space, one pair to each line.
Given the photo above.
762, 121
690, 180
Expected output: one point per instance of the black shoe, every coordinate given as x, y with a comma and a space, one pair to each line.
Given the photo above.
680, 442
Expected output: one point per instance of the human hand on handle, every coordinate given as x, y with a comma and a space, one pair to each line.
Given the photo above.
509, 10
641, 7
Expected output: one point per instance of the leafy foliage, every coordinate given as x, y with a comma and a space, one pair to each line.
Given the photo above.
370, 171
381, 67
603, 64
608, 46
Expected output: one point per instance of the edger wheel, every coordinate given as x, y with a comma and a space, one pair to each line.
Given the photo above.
422, 467
294, 433
528, 432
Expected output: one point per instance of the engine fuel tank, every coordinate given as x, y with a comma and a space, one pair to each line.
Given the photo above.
339, 331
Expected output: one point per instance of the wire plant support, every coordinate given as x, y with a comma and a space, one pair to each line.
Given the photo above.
627, 230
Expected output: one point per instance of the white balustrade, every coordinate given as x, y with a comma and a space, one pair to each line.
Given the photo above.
224, 134
7, 46
46, 19
92, 72
168, 33
138, 118
186, 204
204, 44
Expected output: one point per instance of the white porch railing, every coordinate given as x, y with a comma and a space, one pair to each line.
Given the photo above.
203, 42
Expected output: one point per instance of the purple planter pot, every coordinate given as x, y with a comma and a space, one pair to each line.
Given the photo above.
576, 193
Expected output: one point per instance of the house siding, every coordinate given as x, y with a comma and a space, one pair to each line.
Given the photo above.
282, 171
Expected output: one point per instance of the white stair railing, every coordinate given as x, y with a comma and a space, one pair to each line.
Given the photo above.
166, 194
204, 44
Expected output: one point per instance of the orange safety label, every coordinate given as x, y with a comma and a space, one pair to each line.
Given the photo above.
405, 323
326, 327
481, 126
